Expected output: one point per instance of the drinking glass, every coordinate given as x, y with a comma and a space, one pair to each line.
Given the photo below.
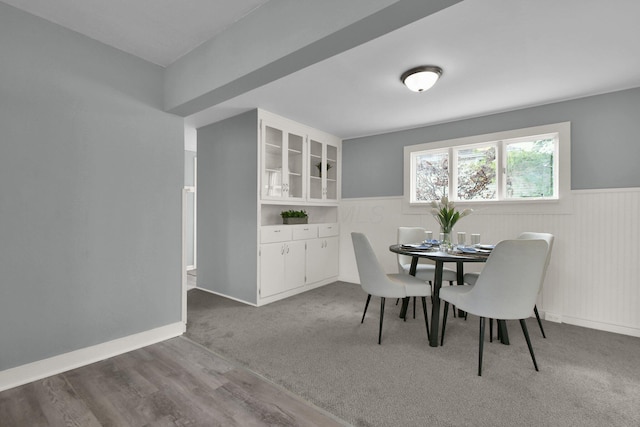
462, 238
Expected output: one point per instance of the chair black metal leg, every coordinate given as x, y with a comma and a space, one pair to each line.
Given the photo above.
397, 299
454, 307
414, 307
482, 322
365, 308
381, 317
535, 310
426, 318
444, 321
405, 308
490, 330
526, 337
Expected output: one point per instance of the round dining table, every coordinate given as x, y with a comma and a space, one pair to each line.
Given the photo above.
439, 257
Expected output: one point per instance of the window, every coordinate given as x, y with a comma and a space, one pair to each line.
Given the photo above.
513, 166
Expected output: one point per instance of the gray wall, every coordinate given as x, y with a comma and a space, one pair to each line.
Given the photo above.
228, 206
90, 189
604, 144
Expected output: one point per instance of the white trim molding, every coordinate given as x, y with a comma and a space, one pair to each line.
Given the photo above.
40, 369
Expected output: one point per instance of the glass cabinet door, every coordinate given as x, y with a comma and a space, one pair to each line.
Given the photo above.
295, 166
283, 164
331, 184
316, 166
272, 146
323, 168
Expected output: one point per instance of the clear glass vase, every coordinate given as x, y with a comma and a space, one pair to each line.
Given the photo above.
446, 233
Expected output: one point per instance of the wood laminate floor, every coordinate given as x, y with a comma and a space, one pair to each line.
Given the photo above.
172, 383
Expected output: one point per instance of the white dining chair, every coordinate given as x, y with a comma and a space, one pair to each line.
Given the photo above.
507, 288
471, 278
375, 282
424, 270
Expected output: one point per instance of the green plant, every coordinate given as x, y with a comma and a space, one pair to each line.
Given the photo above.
446, 214
293, 214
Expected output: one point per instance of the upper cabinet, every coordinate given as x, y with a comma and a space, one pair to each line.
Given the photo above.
324, 168
298, 164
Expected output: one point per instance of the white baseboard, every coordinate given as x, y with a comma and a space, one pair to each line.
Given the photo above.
552, 317
607, 327
225, 295
30, 372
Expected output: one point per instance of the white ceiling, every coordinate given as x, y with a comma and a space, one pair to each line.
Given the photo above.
497, 55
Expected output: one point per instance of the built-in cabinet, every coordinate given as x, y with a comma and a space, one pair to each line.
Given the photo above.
300, 169
251, 168
296, 256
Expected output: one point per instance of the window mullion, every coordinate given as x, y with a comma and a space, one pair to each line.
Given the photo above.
453, 175
501, 179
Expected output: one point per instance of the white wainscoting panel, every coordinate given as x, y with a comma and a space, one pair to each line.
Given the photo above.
592, 278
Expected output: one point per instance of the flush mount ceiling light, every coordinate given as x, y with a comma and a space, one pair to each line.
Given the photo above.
422, 78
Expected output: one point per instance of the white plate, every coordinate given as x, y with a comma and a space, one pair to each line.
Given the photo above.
485, 247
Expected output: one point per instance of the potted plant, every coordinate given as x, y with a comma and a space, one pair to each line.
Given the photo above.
294, 217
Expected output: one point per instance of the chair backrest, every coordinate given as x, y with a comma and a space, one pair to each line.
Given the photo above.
528, 235
408, 235
373, 279
509, 283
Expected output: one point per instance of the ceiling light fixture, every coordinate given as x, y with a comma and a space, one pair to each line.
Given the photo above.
421, 78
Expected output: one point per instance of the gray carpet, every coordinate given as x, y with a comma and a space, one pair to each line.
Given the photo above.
314, 345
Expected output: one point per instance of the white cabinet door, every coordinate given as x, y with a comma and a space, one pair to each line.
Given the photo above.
295, 264
323, 169
322, 259
272, 275
283, 161
331, 248
282, 267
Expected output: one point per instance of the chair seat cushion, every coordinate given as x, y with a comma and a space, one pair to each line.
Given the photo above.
426, 271
414, 287
455, 295
471, 278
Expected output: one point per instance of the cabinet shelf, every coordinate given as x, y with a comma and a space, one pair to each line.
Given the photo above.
273, 146
292, 150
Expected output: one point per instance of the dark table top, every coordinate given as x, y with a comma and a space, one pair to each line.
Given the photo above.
438, 255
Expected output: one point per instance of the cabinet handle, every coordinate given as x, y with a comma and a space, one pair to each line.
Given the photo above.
282, 250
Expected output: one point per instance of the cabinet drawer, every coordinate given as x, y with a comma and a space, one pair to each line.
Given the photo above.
307, 231
328, 230
272, 234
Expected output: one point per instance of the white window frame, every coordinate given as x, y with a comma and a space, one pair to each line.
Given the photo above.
562, 171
